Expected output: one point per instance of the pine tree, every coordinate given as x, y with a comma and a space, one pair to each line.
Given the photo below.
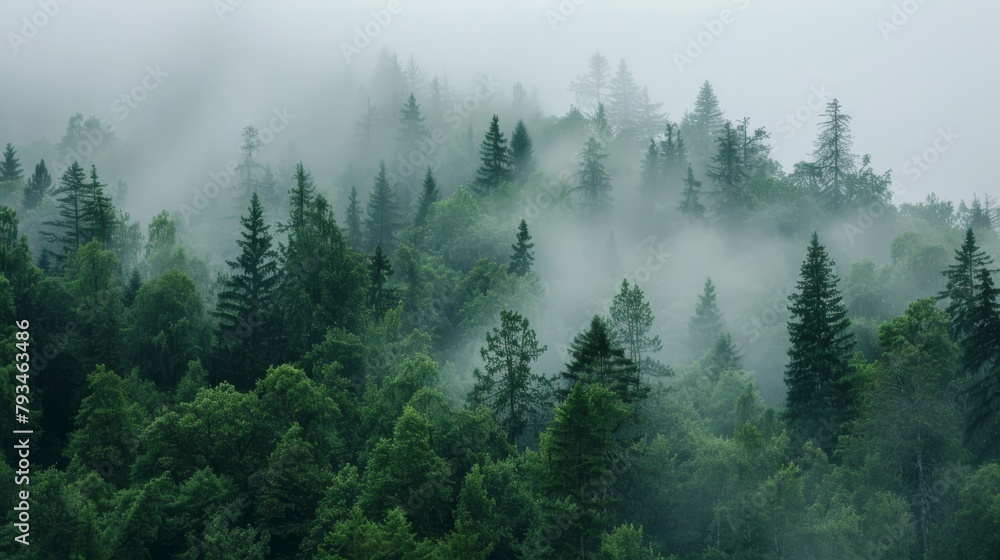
380, 297
962, 288
701, 126
596, 358
382, 220
623, 103
413, 75
705, 325
729, 174
10, 169
591, 89
247, 333
411, 129
819, 396
673, 153
631, 321
522, 153
71, 197
594, 190
353, 233
428, 196
982, 346
691, 205
651, 178
507, 386
300, 198
495, 168
98, 212
723, 356
38, 184
832, 157
521, 258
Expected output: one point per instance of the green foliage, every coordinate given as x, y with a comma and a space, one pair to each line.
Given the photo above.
496, 165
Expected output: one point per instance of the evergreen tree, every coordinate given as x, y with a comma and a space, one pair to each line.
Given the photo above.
819, 396
10, 169
832, 157
249, 167
507, 386
412, 128
591, 89
705, 325
98, 211
701, 126
982, 345
623, 102
723, 356
246, 334
631, 321
521, 258
962, 288
354, 233
600, 124
729, 174
428, 196
691, 205
71, 223
596, 358
38, 184
651, 178
594, 190
380, 297
522, 153
382, 220
495, 167
673, 153
300, 198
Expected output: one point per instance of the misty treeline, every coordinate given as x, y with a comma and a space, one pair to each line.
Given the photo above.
450, 349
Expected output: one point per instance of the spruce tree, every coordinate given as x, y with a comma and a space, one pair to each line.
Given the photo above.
832, 157
723, 356
521, 258
247, 330
691, 205
428, 196
522, 153
495, 167
673, 153
38, 184
651, 178
382, 220
506, 385
982, 346
594, 184
819, 396
596, 358
631, 321
381, 298
10, 169
705, 325
411, 128
962, 287
98, 211
71, 223
702, 125
300, 198
353, 233
623, 102
729, 174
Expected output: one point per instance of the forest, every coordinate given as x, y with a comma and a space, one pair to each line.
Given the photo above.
499, 333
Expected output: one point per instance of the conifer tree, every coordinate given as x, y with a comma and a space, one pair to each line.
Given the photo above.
705, 325
591, 89
300, 198
38, 184
729, 174
832, 157
495, 167
247, 333
522, 153
382, 220
411, 129
71, 222
380, 297
98, 211
673, 153
354, 233
962, 287
819, 397
982, 346
623, 102
601, 126
702, 125
428, 196
10, 169
594, 184
651, 178
506, 384
631, 321
724, 355
691, 205
521, 258
596, 358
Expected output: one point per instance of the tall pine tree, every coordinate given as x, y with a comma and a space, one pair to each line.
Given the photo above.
691, 205
594, 184
38, 184
597, 358
428, 196
382, 221
962, 287
521, 258
522, 153
71, 223
300, 198
10, 169
832, 157
705, 325
495, 166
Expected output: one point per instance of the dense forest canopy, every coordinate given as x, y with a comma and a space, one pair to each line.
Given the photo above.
501, 332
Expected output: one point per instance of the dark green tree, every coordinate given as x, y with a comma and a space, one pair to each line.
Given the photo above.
428, 196
594, 184
38, 184
962, 287
506, 385
982, 346
247, 330
353, 222
820, 397
691, 203
521, 257
596, 358
495, 167
702, 125
705, 325
10, 169
631, 321
832, 157
728, 172
381, 297
522, 153
382, 221
651, 174
300, 198
71, 224
98, 211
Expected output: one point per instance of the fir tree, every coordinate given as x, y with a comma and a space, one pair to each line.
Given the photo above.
701, 126
71, 223
381, 298
521, 258
10, 169
832, 158
594, 190
819, 395
673, 153
705, 325
631, 321
495, 167
506, 384
982, 345
246, 334
428, 196
596, 358
412, 128
651, 178
300, 198
962, 287
98, 211
691, 205
522, 153
623, 102
353, 233
724, 356
382, 220
38, 184
729, 174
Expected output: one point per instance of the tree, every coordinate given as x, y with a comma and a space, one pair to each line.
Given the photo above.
701, 126
819, 395
962, 288
596, 358
98, 211
631, 321
982, 346
705, 325
380, 297
594, 184
691, 205
10, 169
71, 196
246, 334
300, 198
507, 386
353, 231
591, 89
249, 167
107, 425
521, 152
651, 178
623, 102
428, 196
411, 129
495, 168
729, 174
521, 258
382, 221
38, 184
832, 156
